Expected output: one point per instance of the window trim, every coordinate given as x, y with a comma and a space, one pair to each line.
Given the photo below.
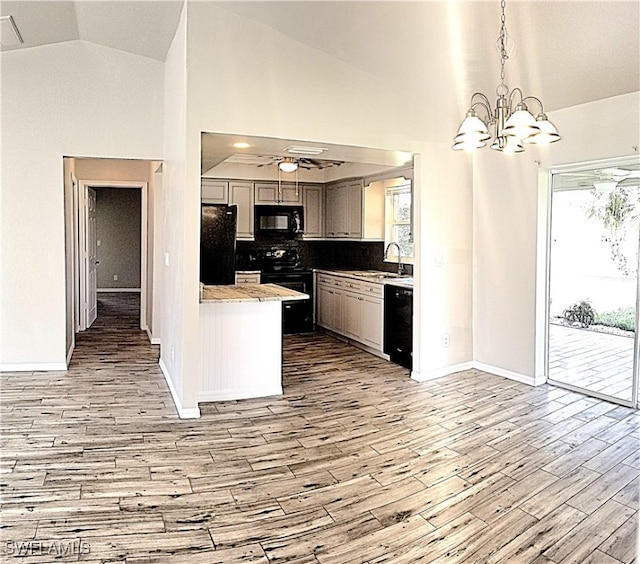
392, 187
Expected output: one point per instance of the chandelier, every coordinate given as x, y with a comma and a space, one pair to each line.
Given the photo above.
512, 121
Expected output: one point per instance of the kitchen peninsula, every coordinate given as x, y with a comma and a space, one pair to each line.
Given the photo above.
241, 340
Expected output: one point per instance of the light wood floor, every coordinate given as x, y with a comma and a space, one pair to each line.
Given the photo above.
356, 463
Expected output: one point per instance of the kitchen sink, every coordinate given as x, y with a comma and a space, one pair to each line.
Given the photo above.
376, 274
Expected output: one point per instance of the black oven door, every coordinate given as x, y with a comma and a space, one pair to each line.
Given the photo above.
297, 315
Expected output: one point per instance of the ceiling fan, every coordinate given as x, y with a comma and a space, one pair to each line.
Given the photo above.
289, 164
612, 178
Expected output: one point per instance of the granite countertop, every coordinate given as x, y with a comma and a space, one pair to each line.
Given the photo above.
373, 276
248, 293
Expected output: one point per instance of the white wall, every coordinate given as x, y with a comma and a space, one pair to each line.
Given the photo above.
175, 351
249, 79
71, 98
506, 212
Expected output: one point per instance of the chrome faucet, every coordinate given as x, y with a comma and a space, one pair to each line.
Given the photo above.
400, 265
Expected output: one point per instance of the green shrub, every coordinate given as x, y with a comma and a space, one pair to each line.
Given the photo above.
623, 318
581, 312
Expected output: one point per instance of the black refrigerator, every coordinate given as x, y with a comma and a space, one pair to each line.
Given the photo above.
218, 244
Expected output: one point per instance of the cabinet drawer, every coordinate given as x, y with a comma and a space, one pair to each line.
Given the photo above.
325, 280
376, 290
331, 281
247, 278
352, 285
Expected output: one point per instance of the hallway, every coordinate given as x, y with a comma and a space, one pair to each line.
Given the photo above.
356, 463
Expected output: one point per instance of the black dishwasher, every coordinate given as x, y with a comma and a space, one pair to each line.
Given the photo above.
398, 324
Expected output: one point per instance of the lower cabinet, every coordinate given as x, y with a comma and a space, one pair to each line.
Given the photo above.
351, 308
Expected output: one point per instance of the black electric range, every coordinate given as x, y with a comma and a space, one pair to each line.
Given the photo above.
283, 267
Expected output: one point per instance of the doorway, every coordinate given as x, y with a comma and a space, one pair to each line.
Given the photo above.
91, 275
592, 312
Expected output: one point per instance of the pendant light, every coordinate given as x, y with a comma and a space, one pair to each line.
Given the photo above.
287, 164
513, 123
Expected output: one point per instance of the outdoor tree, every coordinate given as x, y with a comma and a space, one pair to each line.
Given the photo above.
619, 213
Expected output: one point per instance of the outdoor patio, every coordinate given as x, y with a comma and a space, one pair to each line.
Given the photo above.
595, 361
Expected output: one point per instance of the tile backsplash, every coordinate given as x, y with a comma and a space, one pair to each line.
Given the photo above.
347, 255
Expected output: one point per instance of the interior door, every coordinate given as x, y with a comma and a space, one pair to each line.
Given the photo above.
91, 255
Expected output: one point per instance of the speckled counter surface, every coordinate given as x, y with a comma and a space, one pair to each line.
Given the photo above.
371, 276
248, 293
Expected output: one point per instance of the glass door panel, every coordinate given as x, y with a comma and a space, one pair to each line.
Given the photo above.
593, 283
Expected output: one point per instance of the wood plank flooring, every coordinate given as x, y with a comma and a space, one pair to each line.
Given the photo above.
356, 463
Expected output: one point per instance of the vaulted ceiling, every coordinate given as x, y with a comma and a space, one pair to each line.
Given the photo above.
567, 52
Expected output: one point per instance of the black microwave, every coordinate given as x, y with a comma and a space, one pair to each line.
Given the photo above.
279, 219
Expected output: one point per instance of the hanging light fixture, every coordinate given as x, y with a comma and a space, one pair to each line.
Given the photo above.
287, 164
514, 123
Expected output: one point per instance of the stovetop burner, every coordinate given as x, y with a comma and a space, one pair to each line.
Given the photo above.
277, 260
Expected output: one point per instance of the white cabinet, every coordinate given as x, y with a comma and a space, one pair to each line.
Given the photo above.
328, 310
241, 194
335, 211
247, 277
313, 211
354, 209
231, 192
343, 210
214, 191
352, 308
372, 331
278, 193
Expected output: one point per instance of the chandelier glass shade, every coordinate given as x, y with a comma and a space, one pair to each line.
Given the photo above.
511, 121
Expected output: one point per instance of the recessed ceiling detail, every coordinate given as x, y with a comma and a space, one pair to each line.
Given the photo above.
304, 150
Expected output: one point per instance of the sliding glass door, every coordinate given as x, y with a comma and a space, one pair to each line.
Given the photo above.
593, 281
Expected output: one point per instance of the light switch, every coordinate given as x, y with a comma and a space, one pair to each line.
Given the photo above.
166, 259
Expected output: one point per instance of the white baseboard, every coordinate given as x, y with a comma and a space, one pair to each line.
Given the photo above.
153, 340
523, 378
190, 413
99, 290
70, 354
230, 395
497, 371
33, 367
440, 372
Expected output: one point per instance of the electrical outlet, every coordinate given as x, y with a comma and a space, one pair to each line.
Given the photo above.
445, 340
115, 277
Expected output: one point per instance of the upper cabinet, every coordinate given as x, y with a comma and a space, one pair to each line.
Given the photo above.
343, 210
214, 191
241, 194
312, 200
230, 192
353, 211
278, 193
